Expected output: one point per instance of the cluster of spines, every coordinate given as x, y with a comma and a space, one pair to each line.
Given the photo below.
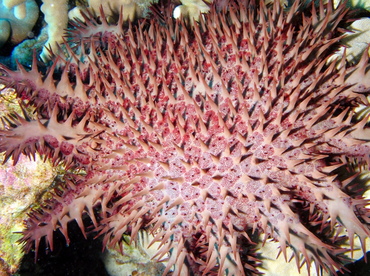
113, 119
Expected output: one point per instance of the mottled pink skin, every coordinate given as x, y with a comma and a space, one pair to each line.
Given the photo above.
201, 136
66, 148
53, 142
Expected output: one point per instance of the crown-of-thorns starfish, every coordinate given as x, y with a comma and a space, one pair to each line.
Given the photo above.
201, 134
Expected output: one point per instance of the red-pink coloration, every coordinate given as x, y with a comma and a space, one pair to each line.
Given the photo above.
203, 133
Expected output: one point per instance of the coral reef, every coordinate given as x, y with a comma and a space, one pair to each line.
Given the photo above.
191, 9
204, 135
17, 18
19, 7
14, 24
133, 257
131, 8
55, 13
357, 41
21, 186
358, 35
57, 24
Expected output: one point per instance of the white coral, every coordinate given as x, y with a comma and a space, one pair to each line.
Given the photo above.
56, 16
191, 9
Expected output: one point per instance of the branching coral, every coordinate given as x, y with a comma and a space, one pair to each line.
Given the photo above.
203, 134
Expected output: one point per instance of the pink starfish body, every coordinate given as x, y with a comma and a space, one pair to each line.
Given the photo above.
201, 134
